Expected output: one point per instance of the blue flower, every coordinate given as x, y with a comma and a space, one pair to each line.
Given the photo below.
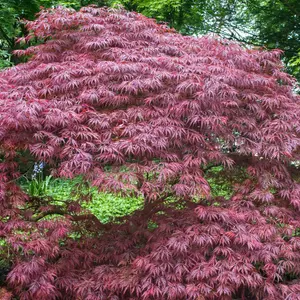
37, 169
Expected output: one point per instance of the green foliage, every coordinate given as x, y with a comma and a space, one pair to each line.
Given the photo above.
221, 181
5, 59
105, 206
108, 207
39, 187
294, 65
220, 187
5, 263
175, 12
277, 23
11, 13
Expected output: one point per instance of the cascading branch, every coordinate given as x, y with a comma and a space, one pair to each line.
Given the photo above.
135, 107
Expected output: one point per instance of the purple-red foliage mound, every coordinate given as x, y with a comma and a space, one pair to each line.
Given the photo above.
134, 107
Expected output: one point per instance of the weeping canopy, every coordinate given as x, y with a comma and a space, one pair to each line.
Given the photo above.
133, 106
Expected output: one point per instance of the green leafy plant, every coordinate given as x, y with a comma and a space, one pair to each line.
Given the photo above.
37, 187
108, 207
221, 183
5, 59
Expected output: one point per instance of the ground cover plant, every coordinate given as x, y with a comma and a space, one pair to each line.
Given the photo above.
137, 109
107, 207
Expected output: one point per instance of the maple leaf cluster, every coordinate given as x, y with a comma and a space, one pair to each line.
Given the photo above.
134, 107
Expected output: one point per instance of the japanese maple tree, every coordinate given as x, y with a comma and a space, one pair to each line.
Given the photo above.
134, 107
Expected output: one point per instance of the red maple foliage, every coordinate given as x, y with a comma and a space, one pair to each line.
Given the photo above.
135, 107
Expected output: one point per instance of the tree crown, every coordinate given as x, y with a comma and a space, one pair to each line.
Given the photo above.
135, 107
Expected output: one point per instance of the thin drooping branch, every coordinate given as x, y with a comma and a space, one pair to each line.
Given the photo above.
76, 218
